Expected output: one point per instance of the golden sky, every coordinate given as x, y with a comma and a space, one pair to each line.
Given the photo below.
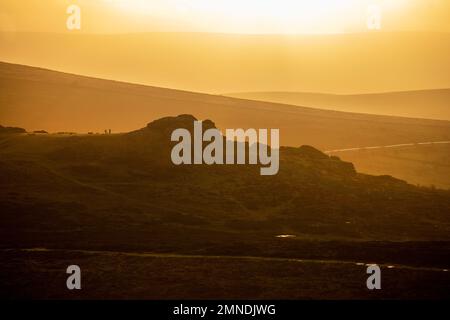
225, 16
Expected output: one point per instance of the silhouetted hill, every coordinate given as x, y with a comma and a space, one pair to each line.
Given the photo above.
115, 200
11, 130
160, 130
96, 184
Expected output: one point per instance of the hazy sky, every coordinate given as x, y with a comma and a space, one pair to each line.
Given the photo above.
228, 16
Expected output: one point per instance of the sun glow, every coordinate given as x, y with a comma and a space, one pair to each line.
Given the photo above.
227, 16
259, 16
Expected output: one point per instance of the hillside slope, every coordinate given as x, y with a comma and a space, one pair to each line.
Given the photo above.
117, 206
38, 99
418, 164
216, 63
95, 182
430, 104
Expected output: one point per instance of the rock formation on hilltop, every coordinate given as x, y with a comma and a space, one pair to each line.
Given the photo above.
11, 130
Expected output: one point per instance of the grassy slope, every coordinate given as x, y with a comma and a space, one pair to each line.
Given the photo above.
131, 177
117, 194
121, 276
421, 164
39, 99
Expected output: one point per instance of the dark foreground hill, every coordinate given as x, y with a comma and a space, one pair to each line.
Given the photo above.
81, 182
11, 130
209, 231
37, 99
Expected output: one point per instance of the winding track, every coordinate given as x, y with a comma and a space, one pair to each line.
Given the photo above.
387, 147
241, 258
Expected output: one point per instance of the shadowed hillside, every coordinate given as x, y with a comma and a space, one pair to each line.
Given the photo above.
131, 176
116, 205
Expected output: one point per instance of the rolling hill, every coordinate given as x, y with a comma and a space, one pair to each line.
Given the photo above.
39, 99
427, 165
430, 104
217, 63
116, 205
57, 182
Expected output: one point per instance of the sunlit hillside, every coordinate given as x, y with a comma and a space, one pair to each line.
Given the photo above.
431, 104
37, 99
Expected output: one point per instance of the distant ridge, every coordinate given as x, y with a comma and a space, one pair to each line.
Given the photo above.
428, 104
216, 63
